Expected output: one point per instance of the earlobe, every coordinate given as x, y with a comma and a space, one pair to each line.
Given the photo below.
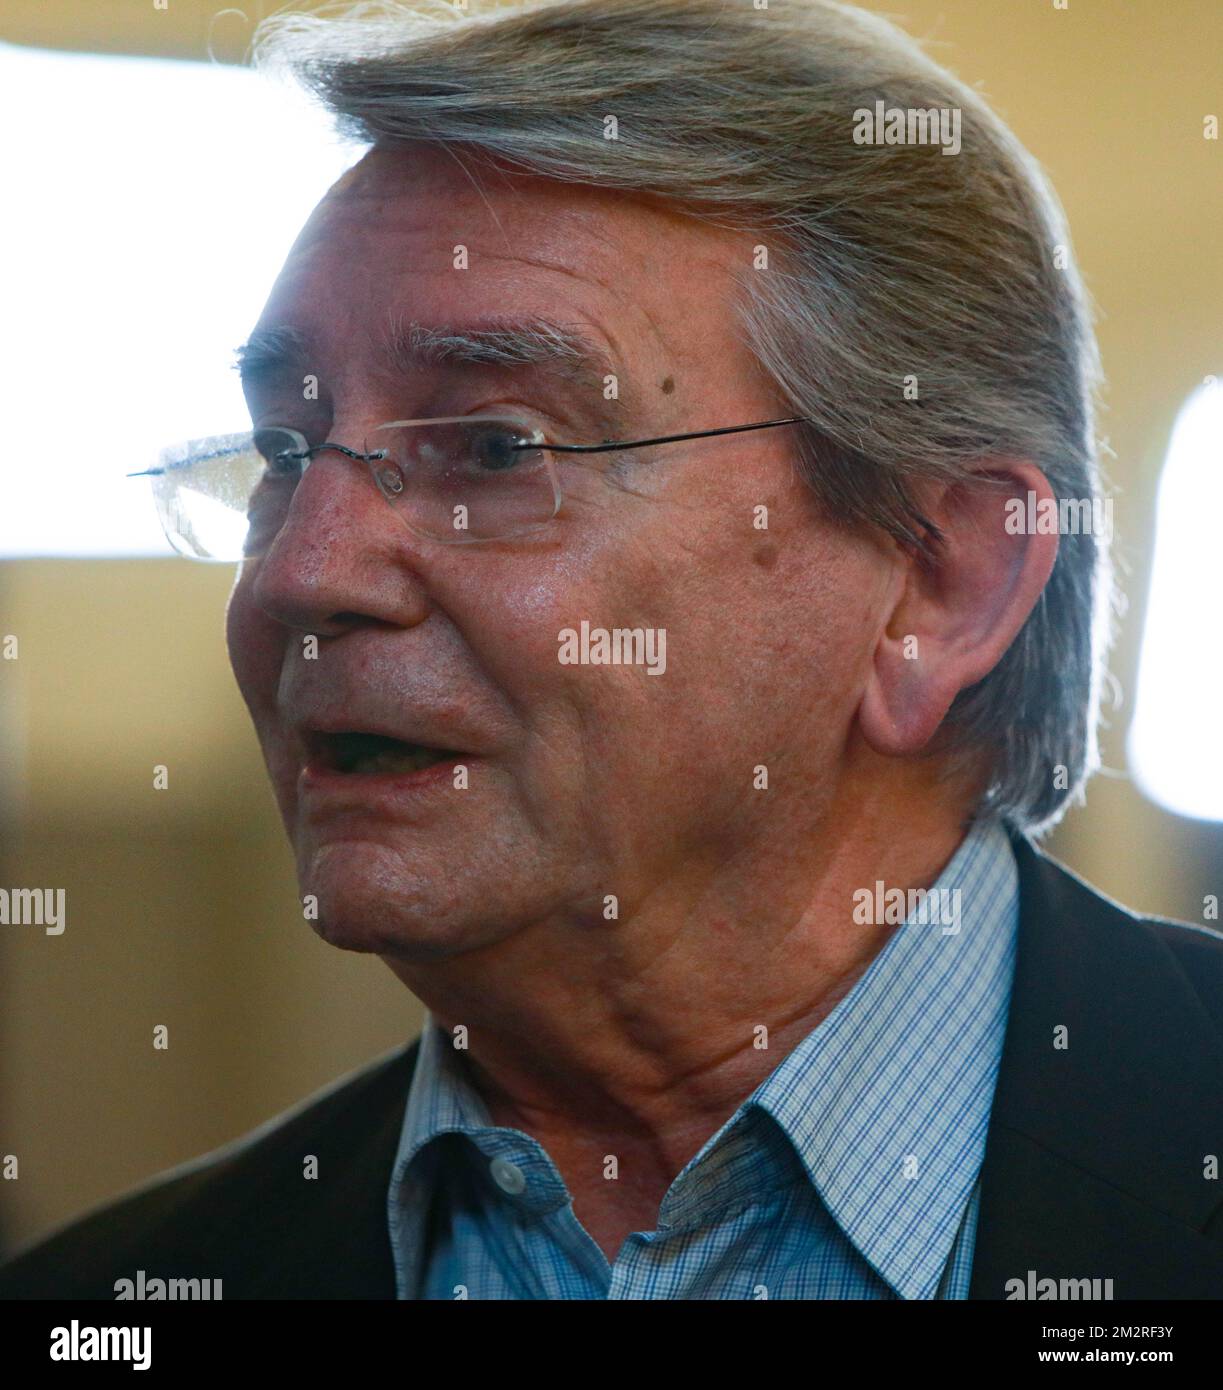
904, 701
956, 615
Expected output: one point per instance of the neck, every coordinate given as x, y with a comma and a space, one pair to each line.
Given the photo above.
640, 1037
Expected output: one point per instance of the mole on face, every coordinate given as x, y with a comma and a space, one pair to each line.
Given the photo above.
668, 386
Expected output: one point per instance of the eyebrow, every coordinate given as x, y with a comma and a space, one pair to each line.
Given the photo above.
408, 347
271, 350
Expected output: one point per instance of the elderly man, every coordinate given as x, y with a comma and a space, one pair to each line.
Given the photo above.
650, 672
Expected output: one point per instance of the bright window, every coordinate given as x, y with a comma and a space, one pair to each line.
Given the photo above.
149, 205
1176, 739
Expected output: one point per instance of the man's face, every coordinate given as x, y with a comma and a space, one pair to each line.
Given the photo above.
583, 780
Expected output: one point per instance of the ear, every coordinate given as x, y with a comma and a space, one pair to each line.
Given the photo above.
956, 615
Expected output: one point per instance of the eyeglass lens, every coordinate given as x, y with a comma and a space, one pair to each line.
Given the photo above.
228, 497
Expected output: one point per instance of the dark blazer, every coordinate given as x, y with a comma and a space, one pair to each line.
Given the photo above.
1095, 1163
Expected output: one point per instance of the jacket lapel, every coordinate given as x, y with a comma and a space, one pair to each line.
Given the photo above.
331, 1239
1096, 1149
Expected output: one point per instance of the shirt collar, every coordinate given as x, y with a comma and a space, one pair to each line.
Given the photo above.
441, 1100
887, 1101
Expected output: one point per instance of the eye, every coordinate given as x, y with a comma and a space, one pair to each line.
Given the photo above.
497, 448
281, 451
285, 464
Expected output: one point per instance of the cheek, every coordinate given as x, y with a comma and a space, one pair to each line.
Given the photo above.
520, 616
510, 611
256, 647
772, 639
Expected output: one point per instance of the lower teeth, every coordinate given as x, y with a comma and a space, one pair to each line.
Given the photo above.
393, 761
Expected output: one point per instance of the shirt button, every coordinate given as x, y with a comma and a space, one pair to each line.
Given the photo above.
508, 1176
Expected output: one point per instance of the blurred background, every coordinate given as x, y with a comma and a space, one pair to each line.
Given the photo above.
154, 185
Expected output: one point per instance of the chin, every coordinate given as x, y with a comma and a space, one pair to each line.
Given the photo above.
370, 901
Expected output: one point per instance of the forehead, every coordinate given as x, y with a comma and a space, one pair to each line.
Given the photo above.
434, 194
414, 233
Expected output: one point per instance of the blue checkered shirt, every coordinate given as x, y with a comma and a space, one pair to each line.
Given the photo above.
850, 1172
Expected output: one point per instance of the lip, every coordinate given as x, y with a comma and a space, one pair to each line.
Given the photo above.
330, 797
309, 730
312, 712
318, 779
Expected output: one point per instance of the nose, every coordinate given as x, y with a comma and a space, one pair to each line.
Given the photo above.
342, 557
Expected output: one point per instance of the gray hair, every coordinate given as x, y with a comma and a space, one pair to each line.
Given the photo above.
887, 262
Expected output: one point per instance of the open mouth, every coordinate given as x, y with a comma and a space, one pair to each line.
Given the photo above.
361, 753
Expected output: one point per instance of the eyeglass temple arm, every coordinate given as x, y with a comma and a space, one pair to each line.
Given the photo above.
663, 439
